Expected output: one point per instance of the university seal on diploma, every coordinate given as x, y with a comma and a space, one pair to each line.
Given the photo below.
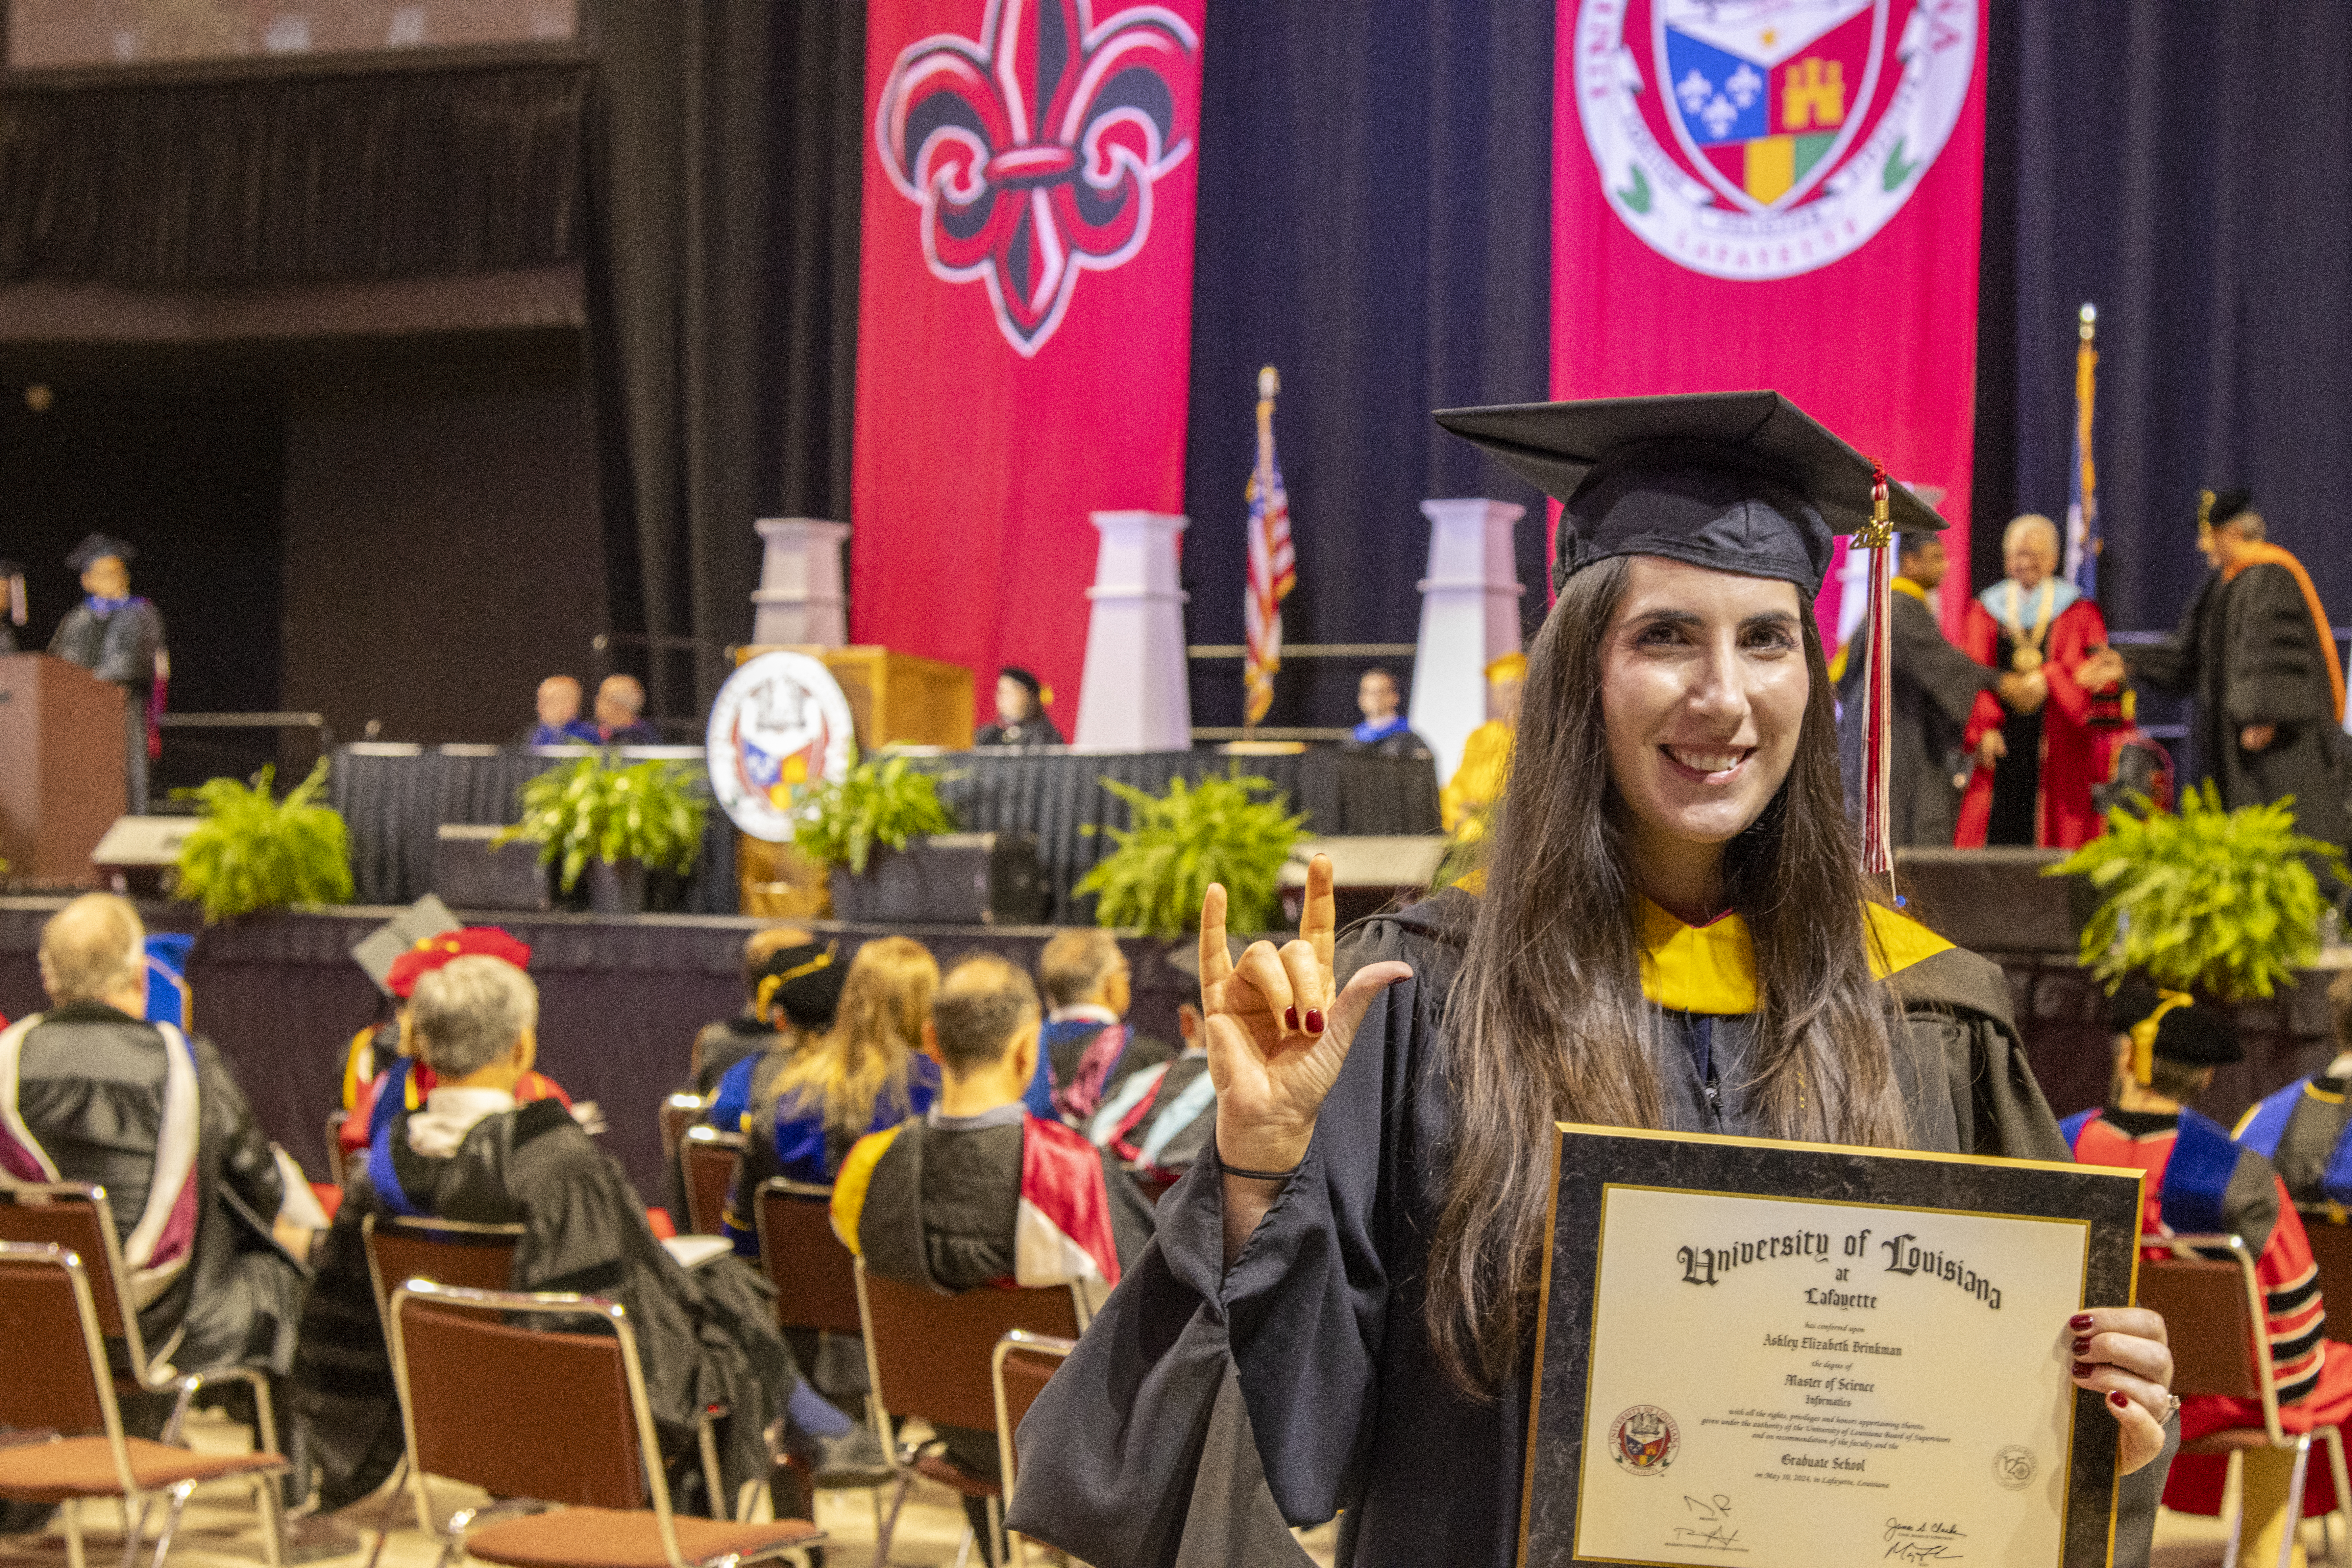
1792, 1355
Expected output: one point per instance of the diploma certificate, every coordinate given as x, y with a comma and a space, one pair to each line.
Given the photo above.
1792, 1356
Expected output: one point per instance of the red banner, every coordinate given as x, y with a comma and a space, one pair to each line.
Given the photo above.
1024, 317
1780, 194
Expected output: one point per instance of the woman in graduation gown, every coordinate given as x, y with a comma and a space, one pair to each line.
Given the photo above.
1337, 1313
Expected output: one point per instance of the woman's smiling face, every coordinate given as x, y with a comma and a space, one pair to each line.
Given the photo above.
1703, 688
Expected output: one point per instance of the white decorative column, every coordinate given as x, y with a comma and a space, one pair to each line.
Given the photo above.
799, 599
1469, 616
1137, 695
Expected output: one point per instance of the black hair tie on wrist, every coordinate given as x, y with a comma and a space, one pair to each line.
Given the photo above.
1258, 1175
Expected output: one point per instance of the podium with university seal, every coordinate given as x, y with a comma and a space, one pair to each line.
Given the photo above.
61, 732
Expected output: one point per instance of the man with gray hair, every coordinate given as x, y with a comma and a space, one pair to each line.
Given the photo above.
620, 707
89, 1091
706, 1335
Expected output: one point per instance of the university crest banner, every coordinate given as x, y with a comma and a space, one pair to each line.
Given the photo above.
1780, 194
1024, 316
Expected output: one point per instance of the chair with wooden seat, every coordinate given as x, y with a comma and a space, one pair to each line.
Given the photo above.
551, 1415
710, 1157
815, 1275
69, 1442
677, 1113
1022, 1363
2211, 1303
335, 1121
2330, 1230
932, 1355
402, 1247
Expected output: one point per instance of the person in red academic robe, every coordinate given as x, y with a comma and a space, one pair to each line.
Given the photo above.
2034, 763
2199, 1183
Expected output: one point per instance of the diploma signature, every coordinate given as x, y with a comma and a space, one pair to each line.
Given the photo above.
1922, 1542
1710, 1528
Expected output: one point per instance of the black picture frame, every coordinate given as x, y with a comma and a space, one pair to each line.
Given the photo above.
1589, 1160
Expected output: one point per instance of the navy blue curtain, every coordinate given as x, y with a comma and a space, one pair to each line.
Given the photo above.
2189, 169
1375, 221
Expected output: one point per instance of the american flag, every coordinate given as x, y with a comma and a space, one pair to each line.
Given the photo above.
2082, 542
1271, 572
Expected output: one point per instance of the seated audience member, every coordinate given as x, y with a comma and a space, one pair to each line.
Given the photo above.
380, 1074
792, 987
2200, 1183
2301, 1129
868, 1072
1384, 730
474, 1152
1088, 1051
1160, 1119
559, 722
978, 1192
1021, 718
620, 709
89, 1092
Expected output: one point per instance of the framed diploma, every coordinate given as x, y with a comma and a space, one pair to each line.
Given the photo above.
1794, 1355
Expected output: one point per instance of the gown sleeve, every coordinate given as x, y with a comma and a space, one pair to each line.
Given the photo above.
2171, 665
1208, 1407
1942, 670
2276, 672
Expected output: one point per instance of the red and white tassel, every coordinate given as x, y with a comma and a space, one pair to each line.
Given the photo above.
1877, 685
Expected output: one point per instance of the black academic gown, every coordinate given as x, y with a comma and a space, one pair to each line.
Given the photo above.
90, 1090
120, 647
1037, 731
2247, 653
1930, 691
1206, 1409
705, 1336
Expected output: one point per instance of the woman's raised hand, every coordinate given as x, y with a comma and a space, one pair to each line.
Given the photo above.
1277, 1033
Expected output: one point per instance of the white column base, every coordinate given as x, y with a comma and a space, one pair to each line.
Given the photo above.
1136, 693
799, 597
1469, 618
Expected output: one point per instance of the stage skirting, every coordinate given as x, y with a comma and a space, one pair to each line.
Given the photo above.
394, 798
620, 1001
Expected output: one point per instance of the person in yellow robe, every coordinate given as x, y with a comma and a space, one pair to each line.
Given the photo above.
1477, 783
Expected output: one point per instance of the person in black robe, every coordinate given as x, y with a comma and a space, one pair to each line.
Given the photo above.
101, 1094
1933, 686
1384, 731
120, 640
706, 1336
1336, 1311
620, 713
1021, 717
2255, 654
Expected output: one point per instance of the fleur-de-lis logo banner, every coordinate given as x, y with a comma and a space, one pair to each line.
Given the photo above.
1033, 149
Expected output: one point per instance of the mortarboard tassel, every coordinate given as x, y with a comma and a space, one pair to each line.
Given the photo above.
1877, 683
2143, 1033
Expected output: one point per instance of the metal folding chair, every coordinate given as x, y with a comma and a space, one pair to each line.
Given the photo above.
710, 1157
1019, 1368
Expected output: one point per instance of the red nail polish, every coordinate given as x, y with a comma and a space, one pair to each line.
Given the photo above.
2082, 1347
2121, 1400
2084, 1369
1315, 1020
2080, 1322
1290, 1017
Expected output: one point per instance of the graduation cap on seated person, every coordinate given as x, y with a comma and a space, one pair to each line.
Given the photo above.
381, 948
471, 942
1733, 482
97, 547
2170, 1025
804, 980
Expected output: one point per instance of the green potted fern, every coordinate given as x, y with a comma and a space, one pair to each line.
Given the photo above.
1176, 844
251, 851
610, 821
872, 829
2220, 903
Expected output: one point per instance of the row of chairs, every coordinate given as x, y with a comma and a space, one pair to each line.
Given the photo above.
976, 1361
2210, 1299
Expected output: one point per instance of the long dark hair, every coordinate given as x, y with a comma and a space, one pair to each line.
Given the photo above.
1548, 1019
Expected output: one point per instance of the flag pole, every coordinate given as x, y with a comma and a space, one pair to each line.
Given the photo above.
1269, 387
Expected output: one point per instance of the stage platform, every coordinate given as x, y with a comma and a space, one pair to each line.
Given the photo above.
621, 999
396, 797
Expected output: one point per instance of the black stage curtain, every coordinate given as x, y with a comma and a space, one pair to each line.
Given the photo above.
723, 294
2187, 168
1375, 218
392, 173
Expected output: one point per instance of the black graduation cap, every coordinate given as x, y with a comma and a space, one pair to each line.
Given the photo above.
2221, 506
97, 547
2170, 1024
377, 951
12, 591
806, 979
1737, 481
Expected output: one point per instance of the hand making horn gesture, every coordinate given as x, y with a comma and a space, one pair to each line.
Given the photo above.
1278, 1034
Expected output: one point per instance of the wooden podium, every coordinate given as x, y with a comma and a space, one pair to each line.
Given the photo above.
60, 765
893, 698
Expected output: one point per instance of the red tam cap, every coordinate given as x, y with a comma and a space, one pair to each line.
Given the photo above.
474, 941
